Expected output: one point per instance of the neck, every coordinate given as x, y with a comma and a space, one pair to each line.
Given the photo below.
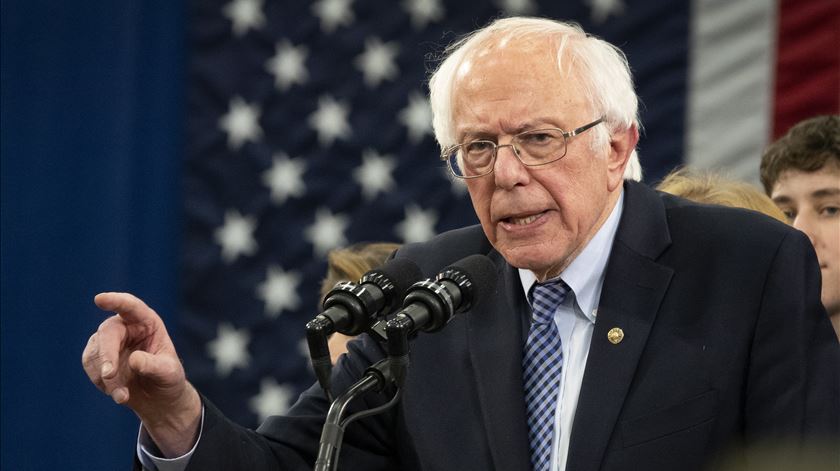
555, 271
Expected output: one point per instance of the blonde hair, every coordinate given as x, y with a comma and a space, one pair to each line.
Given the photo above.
711, 188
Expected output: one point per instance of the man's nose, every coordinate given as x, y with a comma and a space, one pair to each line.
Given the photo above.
805, 224
509, 171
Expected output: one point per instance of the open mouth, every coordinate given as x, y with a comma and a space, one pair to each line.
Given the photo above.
522, 220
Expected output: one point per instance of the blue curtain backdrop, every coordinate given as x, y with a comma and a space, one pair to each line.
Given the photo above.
92, 116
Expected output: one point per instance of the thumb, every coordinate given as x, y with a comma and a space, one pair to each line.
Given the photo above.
163, 369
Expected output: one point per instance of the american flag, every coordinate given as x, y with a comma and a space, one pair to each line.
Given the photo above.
309, 129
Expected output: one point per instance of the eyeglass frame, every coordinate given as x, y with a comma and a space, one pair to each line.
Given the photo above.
445, 154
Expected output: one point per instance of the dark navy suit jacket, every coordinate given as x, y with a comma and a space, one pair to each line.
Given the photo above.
726, 344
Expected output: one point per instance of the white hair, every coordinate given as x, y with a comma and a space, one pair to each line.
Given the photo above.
602, 69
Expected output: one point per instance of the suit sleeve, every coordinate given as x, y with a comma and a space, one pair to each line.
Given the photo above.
793, 382
290, 442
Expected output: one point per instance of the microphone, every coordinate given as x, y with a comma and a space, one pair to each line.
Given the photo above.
350, 308
430, 304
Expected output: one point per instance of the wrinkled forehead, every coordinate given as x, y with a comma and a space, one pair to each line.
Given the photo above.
520, 73
506, 49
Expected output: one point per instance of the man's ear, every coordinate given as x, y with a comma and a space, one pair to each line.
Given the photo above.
622, 144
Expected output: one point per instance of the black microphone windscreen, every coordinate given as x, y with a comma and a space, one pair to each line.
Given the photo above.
402, 273
481, 271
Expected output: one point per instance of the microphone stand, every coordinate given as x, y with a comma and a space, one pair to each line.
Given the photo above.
376, 377
319, 352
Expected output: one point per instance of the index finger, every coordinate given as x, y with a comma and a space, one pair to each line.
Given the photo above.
128, 306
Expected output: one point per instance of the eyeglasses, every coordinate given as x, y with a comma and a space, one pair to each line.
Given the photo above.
533, 148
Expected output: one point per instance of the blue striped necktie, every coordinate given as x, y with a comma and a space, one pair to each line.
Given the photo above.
542, 363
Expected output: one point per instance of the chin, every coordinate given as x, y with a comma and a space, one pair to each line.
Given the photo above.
536, 259
832, 305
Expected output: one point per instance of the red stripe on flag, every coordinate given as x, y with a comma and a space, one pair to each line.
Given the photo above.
807, 62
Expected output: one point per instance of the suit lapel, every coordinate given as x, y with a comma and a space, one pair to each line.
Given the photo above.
495, 337
634, 286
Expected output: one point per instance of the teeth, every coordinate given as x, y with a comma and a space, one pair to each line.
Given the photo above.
524, 221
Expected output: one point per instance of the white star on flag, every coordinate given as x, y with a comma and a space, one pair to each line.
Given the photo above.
285, 178
241, 123
333, 13
236, 235
303, 349
374, 175
330, 120
287, 65
418, 225
417, 117
327, 232
279, 291
229, 349
423, 12
518, 7
459, 186
244, 14
602, 9
377, 63
273, 399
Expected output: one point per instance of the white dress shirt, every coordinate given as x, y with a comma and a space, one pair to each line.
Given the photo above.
575, 319
146, 452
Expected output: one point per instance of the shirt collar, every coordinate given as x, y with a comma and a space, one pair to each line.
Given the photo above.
585, 275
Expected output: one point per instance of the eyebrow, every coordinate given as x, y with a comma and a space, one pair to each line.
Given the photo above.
825, 193
782, 199
542, 122
530, 125
822, 193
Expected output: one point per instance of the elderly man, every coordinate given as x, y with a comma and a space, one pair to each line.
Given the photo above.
628, 330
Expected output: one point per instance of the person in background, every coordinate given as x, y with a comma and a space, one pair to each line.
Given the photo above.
711, 188
350, 264
801, 174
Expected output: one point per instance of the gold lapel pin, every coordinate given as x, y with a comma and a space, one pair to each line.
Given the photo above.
615, 335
